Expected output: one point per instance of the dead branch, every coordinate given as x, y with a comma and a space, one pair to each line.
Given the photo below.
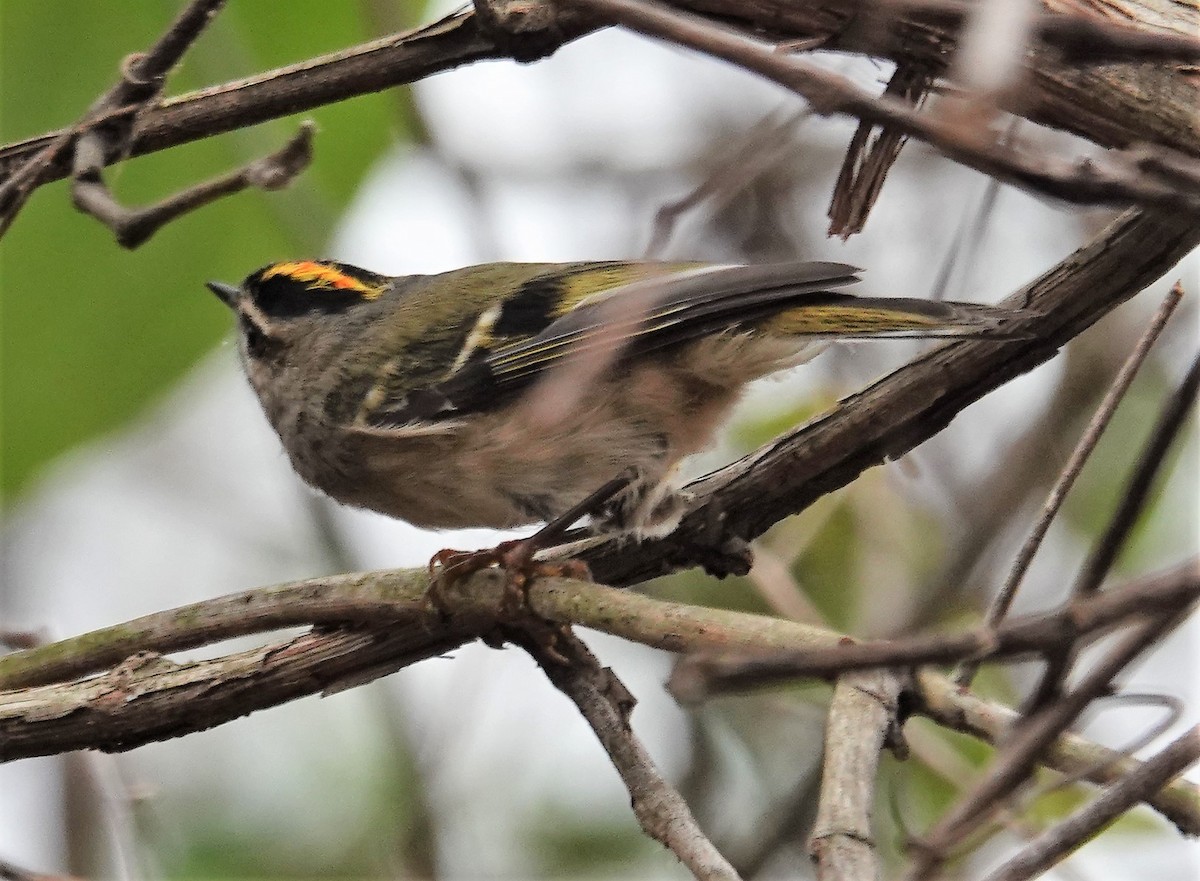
1122, 106
1111, 179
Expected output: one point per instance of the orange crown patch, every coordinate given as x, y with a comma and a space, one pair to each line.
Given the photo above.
323, 275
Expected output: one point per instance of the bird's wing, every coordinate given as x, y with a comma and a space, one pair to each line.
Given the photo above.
660, 305
656, 311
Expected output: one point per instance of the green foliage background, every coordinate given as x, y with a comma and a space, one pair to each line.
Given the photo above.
91, 332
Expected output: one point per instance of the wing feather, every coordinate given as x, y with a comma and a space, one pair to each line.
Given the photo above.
662, 306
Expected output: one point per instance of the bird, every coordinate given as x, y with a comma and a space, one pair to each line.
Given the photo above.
423, 397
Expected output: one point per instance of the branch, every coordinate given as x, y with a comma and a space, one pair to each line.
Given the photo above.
743, 500
1119, 106
43, 720
1002, 601
1112, 105
863, 718
133, 226
1023, 748
606, 704
1075, 831
142, 77
371, 67
1112, 179
1073, 625
379, 598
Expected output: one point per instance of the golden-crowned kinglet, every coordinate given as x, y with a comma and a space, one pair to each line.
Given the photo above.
410, 395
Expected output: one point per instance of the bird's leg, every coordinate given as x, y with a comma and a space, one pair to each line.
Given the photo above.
516, 557
649, 510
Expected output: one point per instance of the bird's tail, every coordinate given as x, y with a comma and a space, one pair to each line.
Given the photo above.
841, 316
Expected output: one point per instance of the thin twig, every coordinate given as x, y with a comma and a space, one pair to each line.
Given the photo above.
369, 67
1019, 754
1133, 500
1112, 179
1072, 833
142, 78
605, 703
1174, 713
1079, 456
133, 226
862, 720
1076, 623
939, 700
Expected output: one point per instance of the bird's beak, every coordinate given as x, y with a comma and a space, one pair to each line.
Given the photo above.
227, 293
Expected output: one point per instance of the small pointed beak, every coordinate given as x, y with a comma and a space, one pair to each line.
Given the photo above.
227, 293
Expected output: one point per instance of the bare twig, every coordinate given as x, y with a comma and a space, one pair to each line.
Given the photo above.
1019, 754
1174, 707
1083, 450
605, 702
940, 700
1110, 544
1075, 831
1112, 179
1074, 624
142, 78
133, 226
1133, 499
862, 720
370, 67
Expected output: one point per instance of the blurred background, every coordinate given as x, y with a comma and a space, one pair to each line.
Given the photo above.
138, 474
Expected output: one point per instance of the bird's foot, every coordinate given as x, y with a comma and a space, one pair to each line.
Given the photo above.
517, 558
449, 567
